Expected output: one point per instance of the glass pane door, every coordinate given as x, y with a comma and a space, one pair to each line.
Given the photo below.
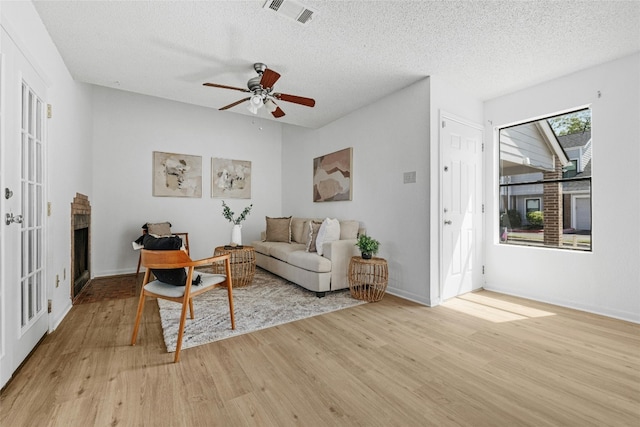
32, 280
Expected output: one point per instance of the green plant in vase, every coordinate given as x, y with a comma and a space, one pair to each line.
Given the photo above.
236, 232
368, 246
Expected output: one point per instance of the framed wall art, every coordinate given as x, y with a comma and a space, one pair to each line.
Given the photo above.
177, 175
230, 178
332, 176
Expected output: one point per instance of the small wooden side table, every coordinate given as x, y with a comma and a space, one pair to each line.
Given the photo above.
368, 278
243, 264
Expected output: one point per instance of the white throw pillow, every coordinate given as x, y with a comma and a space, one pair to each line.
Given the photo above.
329, 231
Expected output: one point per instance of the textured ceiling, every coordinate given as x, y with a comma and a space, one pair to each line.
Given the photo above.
352, 52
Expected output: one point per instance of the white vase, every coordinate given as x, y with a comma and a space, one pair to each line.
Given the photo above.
236, 234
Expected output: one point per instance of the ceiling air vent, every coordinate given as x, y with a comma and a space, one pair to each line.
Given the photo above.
291, 9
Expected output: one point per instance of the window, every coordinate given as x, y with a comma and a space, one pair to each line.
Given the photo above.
570, 170
545, 182
533, 205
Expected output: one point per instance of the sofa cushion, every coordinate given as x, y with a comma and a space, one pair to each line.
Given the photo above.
298, 234
329, 231
282, 251
262, 247
310, 261
349, 230
312, 228
278, 229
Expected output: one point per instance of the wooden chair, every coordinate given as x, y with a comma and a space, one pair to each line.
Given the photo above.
185, 240
181, 294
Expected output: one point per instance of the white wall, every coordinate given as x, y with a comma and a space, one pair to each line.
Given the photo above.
389, 137
68, 144
127, 129
607, 280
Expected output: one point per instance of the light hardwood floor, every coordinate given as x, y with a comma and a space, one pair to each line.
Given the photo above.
481, 360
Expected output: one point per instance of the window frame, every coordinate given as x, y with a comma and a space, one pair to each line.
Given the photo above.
507, 201
526, 204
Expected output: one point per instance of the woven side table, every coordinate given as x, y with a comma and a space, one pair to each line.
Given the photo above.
243, 264
368, 278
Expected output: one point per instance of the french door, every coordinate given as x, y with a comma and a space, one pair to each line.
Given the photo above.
24, 319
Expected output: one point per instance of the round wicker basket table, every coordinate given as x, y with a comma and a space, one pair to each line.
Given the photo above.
243, 264
368, 278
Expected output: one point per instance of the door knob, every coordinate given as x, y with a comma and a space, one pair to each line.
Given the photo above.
11, 218
447, 222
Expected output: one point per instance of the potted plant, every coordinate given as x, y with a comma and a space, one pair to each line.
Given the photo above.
368, 246
236, 232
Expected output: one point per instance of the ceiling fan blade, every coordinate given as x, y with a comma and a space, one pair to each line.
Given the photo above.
277, 113
295, 99
225, 87
269, 78
273, 108
226, 107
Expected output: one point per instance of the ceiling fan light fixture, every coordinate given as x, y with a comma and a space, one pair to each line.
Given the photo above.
260, 91
255, 102
270, 105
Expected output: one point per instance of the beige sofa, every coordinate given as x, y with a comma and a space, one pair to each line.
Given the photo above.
317, 273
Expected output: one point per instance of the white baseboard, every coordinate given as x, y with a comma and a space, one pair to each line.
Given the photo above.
119, 272
616, 314
409, 296
53, 326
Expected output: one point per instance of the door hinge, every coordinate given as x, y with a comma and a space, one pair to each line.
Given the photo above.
483, 208
483, 269
483, 147
444, 124
49, 306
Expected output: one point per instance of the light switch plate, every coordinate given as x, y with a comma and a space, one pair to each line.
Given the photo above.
409, 177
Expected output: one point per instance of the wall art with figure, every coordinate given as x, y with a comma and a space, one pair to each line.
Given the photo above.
230, 178
332, 176
177, 175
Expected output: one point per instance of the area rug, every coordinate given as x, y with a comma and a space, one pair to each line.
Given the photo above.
268, 301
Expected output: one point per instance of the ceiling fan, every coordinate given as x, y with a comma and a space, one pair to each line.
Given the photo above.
262, 94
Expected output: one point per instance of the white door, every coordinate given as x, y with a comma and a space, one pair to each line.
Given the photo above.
24, 319
582, 212
461, 216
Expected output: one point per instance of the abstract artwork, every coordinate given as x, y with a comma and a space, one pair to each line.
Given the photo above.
230, 178
177, 175
332, 176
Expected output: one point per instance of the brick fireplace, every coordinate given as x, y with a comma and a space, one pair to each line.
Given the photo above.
80, 243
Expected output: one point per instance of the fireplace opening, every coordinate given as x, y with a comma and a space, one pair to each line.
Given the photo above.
81, 259
80, 271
